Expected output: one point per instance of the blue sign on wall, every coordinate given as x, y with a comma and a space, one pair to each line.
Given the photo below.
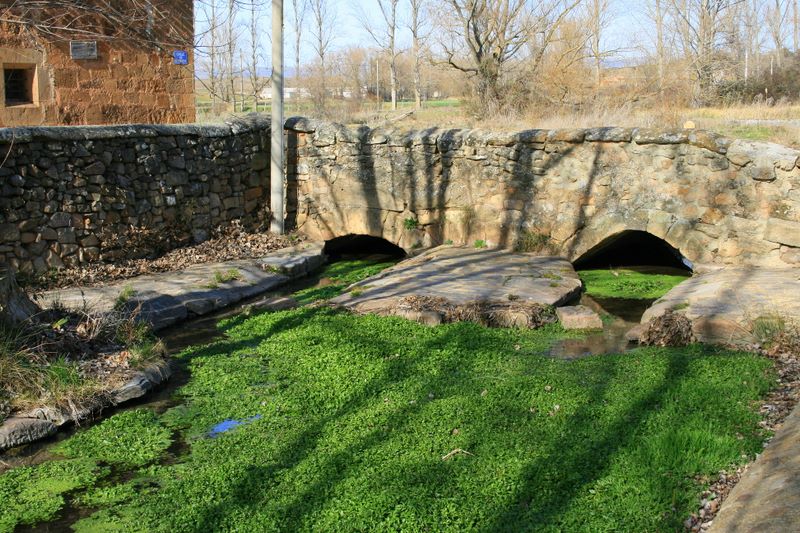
180, 57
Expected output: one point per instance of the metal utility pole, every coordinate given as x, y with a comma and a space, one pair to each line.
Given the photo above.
277, 193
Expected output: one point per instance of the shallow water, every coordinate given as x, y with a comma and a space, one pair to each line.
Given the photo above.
619, 316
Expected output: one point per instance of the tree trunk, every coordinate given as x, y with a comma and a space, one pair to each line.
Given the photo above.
15, 306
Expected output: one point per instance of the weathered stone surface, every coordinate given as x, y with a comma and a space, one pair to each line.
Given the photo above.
767, 498
724, 304
18, 431
689, 187
462, 276
578, 317
783, 231
141, 383
169, 298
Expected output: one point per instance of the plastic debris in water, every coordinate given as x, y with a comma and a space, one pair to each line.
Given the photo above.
229, 424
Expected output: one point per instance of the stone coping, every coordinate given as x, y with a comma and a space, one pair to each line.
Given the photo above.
762, 157
236, 126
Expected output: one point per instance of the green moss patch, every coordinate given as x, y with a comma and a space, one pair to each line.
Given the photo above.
341, 275
131, 438
34, 494
627, 283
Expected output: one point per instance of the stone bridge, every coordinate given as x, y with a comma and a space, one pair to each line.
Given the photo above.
71, 196
568, 192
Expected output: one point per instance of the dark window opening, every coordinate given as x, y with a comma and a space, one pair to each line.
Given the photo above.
361, 246
18, 85
633, 249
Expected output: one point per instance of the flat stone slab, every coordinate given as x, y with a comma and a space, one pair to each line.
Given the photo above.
578, 317
767, 498
167, 298
18, 431
463, 276
723, 304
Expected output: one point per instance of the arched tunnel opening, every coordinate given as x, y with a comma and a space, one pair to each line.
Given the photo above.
634, 248
361, 246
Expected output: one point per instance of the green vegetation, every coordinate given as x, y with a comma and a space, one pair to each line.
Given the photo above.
627, 283
393, 425
357, 423
131, 438
220, 277
341, 275
124, 297
410, 223
36, 494
530, 241
480, 243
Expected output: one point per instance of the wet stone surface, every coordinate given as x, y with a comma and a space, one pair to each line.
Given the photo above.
467, 275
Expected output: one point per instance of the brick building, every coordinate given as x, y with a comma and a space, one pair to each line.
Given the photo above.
65, 64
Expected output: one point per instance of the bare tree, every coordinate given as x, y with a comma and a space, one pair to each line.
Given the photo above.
777, 19
699, 26
416, 25
256, 85
493, 33
657, 13
299, 9
144, 21
385, 36
324, 19
598, 22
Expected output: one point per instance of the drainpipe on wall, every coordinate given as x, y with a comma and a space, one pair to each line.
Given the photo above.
277, 194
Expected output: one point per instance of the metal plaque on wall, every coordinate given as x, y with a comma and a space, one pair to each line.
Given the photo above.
83, 49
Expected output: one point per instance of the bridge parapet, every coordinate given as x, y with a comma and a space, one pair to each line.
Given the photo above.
717, 200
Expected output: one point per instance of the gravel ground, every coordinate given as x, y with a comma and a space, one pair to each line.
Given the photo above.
226, 244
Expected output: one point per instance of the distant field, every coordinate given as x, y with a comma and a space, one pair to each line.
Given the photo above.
779, 124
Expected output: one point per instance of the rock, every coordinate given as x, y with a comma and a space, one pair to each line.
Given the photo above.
9, 233
427, 318
578, 317
493, 281
141, 383
723, 305
60, 220
276, 303
783, 232
635, 333
18, 431
94, 169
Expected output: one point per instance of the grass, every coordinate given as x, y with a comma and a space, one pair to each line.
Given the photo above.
341, 274
131, 438
221, 277
620, 283
36, 494
358, 423
354, 431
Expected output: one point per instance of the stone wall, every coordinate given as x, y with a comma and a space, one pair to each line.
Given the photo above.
75, 195
716, 200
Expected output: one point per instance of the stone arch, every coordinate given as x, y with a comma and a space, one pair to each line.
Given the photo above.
632, 248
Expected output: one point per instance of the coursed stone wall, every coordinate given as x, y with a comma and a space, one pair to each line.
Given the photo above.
717, 200
73, 195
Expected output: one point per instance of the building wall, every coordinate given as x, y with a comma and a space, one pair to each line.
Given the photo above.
129, 82
71, 196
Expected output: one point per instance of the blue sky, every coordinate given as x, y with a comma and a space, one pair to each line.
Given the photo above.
628, 26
